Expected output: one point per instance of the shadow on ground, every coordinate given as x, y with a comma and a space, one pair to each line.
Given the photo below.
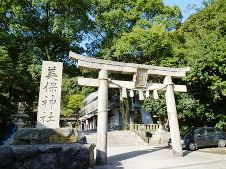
114, 162
187, 152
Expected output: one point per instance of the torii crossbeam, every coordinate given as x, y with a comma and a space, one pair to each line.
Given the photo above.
141, 73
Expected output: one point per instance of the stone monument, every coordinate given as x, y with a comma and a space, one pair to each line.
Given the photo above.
47, 129
49, 95
47, 146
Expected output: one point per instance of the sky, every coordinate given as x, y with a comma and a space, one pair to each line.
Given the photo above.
182, 4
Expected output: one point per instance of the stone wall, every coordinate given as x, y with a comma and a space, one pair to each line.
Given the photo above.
47, 156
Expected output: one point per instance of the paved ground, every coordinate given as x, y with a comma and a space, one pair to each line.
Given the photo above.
125, 151
214, 150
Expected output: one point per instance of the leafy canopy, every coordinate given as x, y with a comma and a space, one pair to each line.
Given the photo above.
134, 31
33, 31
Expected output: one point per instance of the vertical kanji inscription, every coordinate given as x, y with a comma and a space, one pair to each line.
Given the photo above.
50, 95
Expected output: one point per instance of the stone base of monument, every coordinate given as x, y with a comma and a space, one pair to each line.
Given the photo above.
45, 136
161, 136
34, 148
47, 156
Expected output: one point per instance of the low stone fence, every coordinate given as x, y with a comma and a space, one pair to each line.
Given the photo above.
151, 133
47, 156
146, 127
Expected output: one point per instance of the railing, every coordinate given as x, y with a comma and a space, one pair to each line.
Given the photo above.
144, 127
144, 131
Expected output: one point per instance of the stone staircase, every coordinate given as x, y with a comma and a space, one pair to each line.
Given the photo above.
116, 138
123, 138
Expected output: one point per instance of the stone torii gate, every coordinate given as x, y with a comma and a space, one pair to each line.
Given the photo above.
140, 73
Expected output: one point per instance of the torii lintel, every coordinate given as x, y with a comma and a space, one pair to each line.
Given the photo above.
125, 68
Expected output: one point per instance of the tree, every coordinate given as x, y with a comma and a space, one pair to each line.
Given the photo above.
6, 71
75, 103
156, 107
36, 30
207, 3
148, 32
46, 29
201, 46
72, 96
134, 31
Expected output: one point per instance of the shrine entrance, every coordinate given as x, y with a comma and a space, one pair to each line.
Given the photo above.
140, 76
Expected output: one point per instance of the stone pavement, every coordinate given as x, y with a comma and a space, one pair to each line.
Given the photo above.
125, 151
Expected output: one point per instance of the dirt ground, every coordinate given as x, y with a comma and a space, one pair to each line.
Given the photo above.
215, 150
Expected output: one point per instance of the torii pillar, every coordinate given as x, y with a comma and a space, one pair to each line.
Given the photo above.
172, 115
102, 118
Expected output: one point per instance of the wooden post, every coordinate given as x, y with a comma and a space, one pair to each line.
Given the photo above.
102, 118
173, 120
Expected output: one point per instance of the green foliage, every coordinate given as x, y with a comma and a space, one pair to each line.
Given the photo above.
222, 122
207, 3
191, 112
6, 109
33, 31
129, 29
46, 29
70, 86
75, 103
203, 49
86, 91
6, 69
188, 109
156, 107
143, 45
200, 44
72, 96
144, 32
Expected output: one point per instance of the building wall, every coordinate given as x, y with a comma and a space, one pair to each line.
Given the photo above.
113, 120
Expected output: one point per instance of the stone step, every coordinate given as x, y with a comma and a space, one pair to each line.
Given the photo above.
116, 138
